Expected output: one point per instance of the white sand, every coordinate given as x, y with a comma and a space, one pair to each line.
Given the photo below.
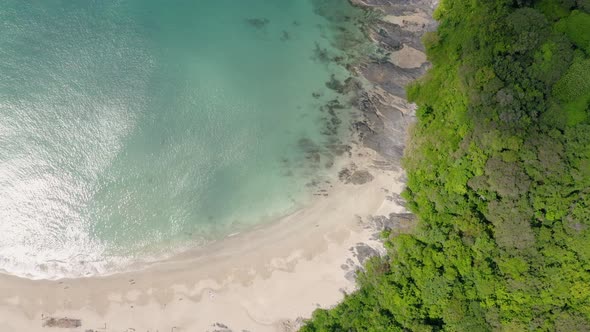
408, 57
259, 281
413, 22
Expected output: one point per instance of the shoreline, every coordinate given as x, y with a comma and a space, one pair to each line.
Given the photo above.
271, 277
236, 282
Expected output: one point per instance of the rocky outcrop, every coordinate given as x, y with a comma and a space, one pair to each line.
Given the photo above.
401, 60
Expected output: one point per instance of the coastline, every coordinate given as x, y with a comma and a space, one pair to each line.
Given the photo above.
259, 280
271, 277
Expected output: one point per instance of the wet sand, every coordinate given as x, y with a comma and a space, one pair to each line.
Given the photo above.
261, 280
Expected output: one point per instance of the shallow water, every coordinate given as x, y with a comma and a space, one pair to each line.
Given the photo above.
130, 130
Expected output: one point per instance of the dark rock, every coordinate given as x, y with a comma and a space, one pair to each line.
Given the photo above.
258, 23
351, 275
321, 54
334, 84
344, 175
61, 322
390, 77
360, 177
339, 149
397, 199
285, 35
364, 252
384, 120
393, 221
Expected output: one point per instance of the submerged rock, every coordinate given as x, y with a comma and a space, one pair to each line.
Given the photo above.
355, 177
321, 54
258, 23
360, 177
335, 84
285, 35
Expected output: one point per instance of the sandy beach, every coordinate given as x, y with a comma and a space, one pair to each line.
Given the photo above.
262, 280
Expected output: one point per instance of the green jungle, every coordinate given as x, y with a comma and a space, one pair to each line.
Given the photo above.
498, 168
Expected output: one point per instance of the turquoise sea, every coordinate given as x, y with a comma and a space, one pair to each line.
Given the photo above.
132, 130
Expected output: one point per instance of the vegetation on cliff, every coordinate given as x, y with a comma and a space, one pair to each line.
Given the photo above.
499, 177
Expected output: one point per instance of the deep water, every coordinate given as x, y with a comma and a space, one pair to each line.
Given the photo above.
131, 130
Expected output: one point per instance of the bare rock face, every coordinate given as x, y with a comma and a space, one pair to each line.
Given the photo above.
397, 221
389, 77
397, 34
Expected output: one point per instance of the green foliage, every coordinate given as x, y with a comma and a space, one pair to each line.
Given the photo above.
573, 91
575, 83
529, 28
552, 59
555, 10
577, 27
499, 176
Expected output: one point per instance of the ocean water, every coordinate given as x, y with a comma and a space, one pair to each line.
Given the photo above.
132, 130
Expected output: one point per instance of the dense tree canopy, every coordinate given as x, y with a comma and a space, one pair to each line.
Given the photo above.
499, 178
